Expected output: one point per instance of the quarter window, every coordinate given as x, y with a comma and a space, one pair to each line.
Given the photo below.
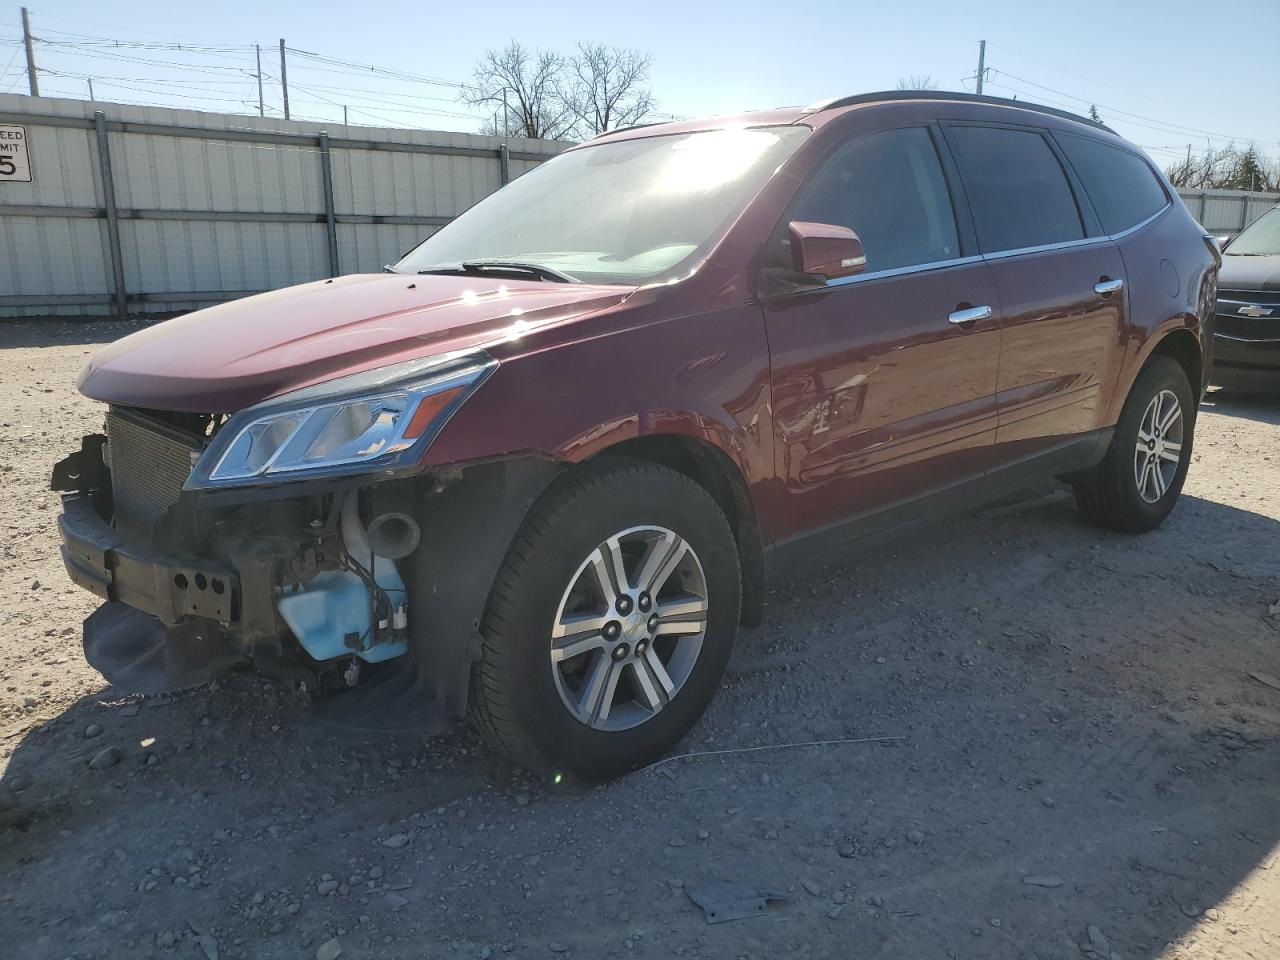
888, 188
1122, 187
1016, 187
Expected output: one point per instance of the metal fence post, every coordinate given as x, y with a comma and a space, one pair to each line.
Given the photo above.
504, 164
330, 217
114, 249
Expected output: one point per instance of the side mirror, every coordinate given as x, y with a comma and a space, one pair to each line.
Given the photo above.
825, 250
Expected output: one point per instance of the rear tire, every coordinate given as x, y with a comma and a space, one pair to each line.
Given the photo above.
583, 670
1138, 481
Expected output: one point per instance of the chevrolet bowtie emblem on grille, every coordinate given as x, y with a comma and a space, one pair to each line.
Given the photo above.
1253, 310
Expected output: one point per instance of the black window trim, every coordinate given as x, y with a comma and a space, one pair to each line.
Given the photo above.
1123, 148
966, 233
1089, 223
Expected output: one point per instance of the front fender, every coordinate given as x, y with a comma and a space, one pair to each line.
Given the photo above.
705, 376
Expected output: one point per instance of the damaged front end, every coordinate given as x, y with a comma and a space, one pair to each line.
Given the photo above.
279, 537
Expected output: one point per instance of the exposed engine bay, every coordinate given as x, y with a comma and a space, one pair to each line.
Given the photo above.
303, 580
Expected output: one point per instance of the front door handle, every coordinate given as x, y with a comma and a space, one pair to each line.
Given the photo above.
1106, 287
969, 315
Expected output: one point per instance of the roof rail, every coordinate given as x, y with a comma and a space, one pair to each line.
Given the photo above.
835, 102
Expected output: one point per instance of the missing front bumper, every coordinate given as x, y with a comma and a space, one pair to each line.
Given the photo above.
100, 560
137, 653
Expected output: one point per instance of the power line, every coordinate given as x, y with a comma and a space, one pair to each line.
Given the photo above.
363, 67
107, 55
81, 22
10, 63
108, 83
1173, 127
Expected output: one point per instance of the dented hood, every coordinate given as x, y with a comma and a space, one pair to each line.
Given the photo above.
227, 357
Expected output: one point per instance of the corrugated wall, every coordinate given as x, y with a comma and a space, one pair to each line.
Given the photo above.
1227, 211
213, 206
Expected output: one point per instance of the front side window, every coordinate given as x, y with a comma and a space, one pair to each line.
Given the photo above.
629, 211
889, 189
1016, 187
1260, 239
1122, 187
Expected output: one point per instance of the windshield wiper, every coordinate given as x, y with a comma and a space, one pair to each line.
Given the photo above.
506, 266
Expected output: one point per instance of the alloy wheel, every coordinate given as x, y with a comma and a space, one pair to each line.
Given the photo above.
1159, 446
629, 628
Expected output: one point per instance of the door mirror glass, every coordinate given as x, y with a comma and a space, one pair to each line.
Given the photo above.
825, 250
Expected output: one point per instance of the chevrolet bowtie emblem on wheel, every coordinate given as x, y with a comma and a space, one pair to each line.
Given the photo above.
1255, 311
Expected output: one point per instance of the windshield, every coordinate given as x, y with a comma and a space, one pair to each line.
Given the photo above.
626, 212
1259, 239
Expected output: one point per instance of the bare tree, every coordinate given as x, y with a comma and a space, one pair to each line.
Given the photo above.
521, 91
604, 88
922, 81
1226, 168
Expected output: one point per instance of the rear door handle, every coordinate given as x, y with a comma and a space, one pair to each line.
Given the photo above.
1106, 287
969, 315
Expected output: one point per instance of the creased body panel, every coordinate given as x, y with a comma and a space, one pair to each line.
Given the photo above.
878, 398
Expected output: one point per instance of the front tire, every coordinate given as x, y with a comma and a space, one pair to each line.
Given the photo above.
1139, 480
610, 622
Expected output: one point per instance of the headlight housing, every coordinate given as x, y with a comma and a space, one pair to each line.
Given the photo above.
378, 420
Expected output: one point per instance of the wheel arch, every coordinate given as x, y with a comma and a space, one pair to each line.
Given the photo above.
1179, 339
1183, 346
713, 470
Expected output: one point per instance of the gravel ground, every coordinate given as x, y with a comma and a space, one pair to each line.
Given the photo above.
1085, 765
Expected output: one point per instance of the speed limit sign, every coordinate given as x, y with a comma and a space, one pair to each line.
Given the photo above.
15, 164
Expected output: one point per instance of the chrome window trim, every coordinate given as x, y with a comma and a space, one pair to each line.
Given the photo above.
1142, 223
902, 271
998, 255
1044, 248
1002, 254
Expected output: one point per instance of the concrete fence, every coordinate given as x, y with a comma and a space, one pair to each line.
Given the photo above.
138, 209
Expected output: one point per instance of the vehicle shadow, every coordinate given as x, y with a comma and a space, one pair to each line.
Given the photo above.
1085, 759
1248, 406
59, 332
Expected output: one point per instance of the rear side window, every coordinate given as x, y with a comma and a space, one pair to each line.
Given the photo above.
888, 188
1017, 190
1122, 187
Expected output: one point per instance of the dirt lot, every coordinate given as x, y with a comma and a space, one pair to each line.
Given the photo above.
1086, 766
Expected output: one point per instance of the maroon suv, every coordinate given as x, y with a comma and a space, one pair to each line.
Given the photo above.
552, 459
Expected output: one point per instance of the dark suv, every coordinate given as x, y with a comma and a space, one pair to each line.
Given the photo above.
1247, 335
552, 459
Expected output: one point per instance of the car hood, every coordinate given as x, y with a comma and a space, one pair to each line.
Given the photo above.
227, 357
1249, 273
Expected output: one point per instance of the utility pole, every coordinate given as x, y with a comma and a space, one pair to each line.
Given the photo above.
982, 61
344, 114
90, 79
506, 120
32, 82
257, 52
284, 81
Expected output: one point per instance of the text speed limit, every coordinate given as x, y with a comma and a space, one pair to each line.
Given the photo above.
15, 164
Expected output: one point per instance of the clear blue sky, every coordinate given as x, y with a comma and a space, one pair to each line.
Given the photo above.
1164, 75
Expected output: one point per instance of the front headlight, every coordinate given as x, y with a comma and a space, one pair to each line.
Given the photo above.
381, 419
